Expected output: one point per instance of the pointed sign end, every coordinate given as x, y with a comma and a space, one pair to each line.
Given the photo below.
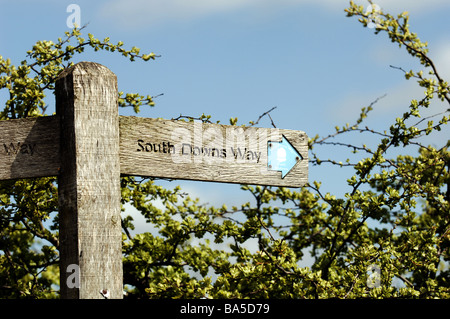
282, 156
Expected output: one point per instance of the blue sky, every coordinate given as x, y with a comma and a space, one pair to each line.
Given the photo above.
239, 58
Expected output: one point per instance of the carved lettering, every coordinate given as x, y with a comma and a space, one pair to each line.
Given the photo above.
15, 148
163, 147
32, 148
188, 149
245, 154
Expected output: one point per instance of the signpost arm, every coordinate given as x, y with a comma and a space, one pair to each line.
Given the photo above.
89, 183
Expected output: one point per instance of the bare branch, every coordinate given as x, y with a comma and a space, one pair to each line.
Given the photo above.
262, 115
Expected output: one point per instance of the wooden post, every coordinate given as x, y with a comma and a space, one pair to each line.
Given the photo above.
89, 183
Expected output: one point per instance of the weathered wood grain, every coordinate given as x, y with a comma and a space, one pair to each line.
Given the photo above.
89, 181
29, 147
206, 152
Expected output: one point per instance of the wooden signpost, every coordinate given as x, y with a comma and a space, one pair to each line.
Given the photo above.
212, 152
89, 146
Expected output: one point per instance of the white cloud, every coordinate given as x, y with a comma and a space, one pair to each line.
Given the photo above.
144, 13
441, 58
138, 13
398, 96
139, 221
415, 7
394, 104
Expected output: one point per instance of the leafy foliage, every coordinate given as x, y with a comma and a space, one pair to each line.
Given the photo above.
392, 225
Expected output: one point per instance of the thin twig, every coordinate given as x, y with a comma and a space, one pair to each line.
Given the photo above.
264, 114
